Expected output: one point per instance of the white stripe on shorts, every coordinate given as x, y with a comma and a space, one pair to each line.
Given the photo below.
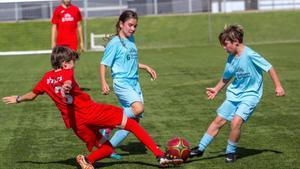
123, 123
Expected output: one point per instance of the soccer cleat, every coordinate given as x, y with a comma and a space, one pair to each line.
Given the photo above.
195, 152
83, 162
230, 158
116, 156
166, 160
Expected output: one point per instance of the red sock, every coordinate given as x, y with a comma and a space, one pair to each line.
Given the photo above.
102, 152
143, 136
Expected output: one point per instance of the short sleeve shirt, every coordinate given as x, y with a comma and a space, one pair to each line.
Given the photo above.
75, 102
247, 71
66, 20
121, 56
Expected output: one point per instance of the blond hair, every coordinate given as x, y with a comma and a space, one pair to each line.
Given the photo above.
232, 33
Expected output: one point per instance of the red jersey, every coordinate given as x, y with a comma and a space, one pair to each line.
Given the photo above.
66, 20
73, 106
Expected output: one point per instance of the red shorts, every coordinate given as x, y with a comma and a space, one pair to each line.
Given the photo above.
98, 116
72, 46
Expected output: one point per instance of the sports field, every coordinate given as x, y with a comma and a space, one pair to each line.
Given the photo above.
33, 136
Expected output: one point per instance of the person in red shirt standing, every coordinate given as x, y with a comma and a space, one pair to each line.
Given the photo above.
66, 22
82, 114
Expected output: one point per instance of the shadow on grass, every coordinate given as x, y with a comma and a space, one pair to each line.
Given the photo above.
138, 148
133, 148
72, 162
241, 153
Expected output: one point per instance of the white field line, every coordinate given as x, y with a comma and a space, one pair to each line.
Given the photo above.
15, 53
33, 52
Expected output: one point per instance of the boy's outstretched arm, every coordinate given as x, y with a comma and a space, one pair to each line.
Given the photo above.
212, 92
279, 91
150, 70
17, 99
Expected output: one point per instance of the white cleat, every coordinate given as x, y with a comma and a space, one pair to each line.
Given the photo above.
83, 162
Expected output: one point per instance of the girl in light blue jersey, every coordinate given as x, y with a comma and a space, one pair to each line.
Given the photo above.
245, 67
122, 57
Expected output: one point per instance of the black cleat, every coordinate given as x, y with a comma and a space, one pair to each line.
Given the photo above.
195, 152
230, 158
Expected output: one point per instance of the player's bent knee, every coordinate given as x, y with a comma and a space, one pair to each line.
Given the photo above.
137, 108
236, 123
235, 126
219, 123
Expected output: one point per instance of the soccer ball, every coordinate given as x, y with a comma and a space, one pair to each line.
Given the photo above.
178, 147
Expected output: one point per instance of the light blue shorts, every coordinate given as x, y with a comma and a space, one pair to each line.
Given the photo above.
128, 91
243, 108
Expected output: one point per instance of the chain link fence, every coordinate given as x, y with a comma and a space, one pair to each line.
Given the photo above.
20, 10
15, 10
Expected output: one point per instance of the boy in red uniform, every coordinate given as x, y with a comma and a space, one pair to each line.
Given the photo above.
66, 22
82, 114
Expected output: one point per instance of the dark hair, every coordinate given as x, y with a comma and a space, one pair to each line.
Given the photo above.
126, 15
61, 54
232, 33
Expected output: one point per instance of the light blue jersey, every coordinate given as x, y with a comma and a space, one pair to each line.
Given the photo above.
121, 56
246, 70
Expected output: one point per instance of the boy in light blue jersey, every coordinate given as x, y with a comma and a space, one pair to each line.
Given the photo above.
245, 67
121, 56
